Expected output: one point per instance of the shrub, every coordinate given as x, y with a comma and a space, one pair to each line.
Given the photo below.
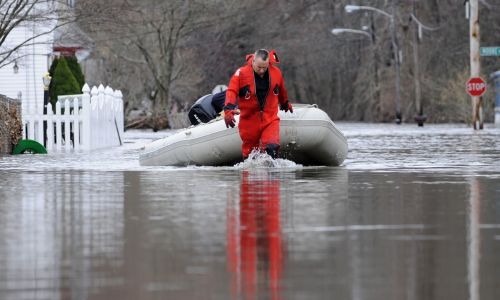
51, 73
63, 82
53, 66
453, 103
75, 68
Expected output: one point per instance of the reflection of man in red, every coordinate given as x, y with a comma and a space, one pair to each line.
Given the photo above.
257, 88
256, 240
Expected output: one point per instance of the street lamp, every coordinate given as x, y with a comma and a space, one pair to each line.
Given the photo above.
395, 47
350, 8
15, 67
337, 31
353, 8
367, 31
46, 83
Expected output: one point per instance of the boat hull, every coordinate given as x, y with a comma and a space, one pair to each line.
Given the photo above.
308, 137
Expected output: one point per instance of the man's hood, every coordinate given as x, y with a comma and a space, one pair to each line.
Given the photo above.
273, 58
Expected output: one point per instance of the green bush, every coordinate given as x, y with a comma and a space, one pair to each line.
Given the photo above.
63, 82
51, 73
75, 68
53, 66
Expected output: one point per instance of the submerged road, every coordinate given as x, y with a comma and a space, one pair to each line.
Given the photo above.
414, 213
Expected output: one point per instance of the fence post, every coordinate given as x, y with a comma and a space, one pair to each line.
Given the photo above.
50, 128
119, 111
108, 117
25, 136
31, 121
76, 124
58, 127
114, 120
86, 118
100, 117
67, 126
94, 117
39, 125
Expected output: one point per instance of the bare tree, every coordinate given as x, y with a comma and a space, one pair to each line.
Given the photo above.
153, 35
165, 54
41, 17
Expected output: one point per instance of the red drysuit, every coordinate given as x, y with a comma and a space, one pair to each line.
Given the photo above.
259, 129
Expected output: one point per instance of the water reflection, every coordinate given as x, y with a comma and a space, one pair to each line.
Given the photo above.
474, 239
59, 238
254, 239
256, 234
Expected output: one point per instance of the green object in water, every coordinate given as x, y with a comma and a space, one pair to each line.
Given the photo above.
29, 146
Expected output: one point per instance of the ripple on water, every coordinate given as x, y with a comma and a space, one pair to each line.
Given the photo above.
259, 160
372, 147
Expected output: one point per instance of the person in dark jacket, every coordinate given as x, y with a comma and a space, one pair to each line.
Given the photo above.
207, 108
258, 88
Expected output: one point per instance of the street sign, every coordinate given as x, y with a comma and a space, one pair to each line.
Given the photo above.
476, 86
490, 51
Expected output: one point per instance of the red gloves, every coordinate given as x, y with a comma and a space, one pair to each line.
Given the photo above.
229, 117
287, 106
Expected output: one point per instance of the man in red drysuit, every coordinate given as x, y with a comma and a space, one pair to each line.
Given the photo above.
256, 89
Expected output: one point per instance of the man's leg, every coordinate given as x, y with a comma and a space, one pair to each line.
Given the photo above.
271, 139
250, 138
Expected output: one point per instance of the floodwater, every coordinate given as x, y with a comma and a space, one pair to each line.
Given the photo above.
414, 213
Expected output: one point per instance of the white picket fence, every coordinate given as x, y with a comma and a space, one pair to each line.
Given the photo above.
90, 121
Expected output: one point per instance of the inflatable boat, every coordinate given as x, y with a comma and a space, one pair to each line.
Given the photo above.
308, 137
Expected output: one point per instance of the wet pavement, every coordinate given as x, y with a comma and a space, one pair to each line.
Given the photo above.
414, 213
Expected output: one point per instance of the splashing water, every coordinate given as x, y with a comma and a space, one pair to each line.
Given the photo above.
261, 160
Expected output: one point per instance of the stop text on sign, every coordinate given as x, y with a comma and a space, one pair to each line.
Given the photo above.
476, 86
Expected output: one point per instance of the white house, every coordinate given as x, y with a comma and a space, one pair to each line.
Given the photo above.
22, 79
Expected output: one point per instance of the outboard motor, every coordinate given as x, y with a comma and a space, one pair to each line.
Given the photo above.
206, 108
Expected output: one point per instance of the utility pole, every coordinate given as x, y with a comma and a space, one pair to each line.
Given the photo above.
375, 67
475, 64
397, 62
419, 118
395, 47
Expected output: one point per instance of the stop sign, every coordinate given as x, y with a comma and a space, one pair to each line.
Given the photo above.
476, 86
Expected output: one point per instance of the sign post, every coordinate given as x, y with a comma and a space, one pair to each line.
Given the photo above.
475, 65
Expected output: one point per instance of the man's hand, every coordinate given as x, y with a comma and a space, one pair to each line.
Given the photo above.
229, 117
287, 106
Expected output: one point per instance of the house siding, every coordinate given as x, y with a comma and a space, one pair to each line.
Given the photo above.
33, 63
32, 60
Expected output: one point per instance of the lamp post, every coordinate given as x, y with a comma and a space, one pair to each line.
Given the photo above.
46, 83
353, 8
370, 33
395, 47
15, 67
